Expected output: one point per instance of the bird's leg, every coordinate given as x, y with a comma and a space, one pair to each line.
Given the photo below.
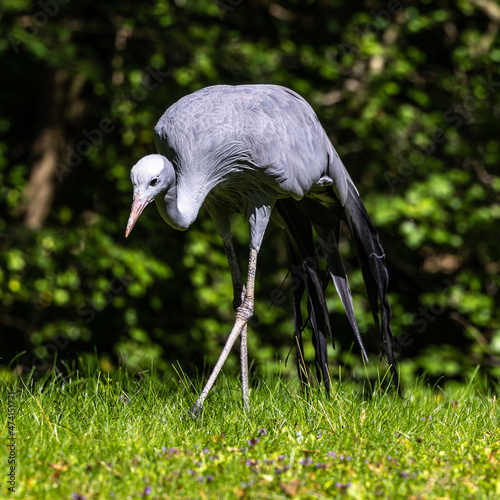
239, 296
245, 391
258, 216
238, 286
243, 313
246, 312
223, 224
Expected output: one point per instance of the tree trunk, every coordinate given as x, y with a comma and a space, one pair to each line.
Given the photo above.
60, 105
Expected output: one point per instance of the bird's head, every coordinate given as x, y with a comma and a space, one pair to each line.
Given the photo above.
151, 176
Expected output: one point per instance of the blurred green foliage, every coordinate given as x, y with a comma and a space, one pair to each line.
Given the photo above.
409, 94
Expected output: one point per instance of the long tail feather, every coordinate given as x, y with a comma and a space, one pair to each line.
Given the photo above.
318, 313
306, 279
338, 275
298, 292
325, 215
327, 226
371, 257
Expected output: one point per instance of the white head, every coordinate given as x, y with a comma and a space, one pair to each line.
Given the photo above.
151, 176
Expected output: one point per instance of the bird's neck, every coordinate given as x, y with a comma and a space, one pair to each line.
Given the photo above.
178, 209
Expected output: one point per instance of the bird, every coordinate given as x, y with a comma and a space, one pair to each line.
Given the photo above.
260, 149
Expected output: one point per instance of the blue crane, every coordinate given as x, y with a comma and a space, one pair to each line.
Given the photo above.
261, 150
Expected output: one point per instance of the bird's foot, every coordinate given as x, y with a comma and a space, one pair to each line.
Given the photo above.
246, 401
195, 412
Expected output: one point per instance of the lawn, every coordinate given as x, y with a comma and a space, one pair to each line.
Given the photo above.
123, 435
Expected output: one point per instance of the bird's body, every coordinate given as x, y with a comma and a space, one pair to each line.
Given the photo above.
267, 133
261, 150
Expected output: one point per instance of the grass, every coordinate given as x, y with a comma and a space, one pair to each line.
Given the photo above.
122, 435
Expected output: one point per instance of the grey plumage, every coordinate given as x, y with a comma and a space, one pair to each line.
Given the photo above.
261, 150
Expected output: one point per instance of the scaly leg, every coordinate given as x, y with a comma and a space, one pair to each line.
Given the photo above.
243, 314
222, 222
239, 296
245, 391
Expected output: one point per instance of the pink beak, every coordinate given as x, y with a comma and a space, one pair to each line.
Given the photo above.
137, 207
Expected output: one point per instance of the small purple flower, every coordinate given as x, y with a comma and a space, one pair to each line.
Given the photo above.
269, 461
262, 432
124, 399
331, 454
305, 461
210, 478
404, 474
190, 471
146, 492
252, 463
173, 451
281, 457
253, 441
77, 496
319, 435
342, 486
205, 450
200, 479
279, 470
164, 449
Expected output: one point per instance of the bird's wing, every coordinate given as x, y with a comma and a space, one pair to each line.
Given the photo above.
267, 130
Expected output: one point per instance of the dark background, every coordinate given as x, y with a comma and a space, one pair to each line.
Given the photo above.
409, 93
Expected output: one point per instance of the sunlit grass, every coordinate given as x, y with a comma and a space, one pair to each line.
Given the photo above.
123, 435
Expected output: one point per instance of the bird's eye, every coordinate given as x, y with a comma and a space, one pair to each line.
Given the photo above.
153, 182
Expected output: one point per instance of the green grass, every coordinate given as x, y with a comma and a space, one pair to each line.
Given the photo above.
121, 435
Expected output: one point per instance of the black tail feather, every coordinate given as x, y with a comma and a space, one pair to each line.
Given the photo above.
371, 257
305, 278
328, 241
327, 225
298, 292
318, 314
298, 218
